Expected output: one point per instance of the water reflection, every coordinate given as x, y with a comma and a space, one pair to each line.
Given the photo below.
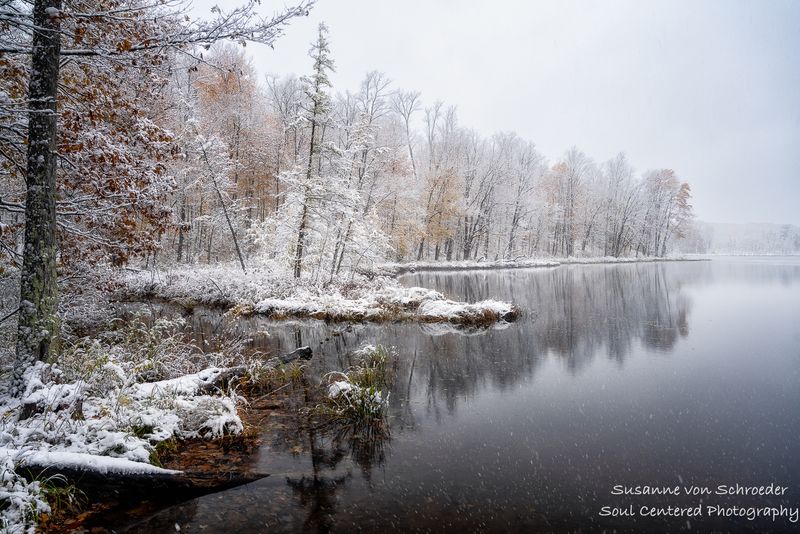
574, 314
642, 373
580, 311
317, 491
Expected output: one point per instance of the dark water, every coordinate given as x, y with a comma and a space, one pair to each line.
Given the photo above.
680, 373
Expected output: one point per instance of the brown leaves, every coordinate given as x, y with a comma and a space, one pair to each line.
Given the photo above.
124, 45
78, 34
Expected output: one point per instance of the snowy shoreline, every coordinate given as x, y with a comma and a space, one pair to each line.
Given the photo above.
378, 299
98, 417
396, 269
375, 296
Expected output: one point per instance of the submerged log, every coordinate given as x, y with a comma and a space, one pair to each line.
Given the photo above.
301, 353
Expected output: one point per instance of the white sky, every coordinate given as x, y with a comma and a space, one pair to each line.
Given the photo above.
708, 88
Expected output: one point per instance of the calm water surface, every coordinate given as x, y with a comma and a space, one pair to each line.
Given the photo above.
678, 373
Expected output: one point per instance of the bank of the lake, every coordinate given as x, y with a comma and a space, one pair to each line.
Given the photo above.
657, 373
355, 299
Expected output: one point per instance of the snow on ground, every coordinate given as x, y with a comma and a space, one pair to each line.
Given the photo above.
439, 310
624, 259
182, 385
468, 265
21, 499
379, 298
373, 297
81, 461
95, 414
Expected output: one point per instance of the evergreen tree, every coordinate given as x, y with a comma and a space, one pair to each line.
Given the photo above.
317, 110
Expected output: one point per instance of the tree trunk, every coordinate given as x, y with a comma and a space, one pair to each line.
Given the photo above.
38, 324
180, 231
230, 225
301, 231
208, 250
301, 238
344, 244
514, 223
224, 210
467, 238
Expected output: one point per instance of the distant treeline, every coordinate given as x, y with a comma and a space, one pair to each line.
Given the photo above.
751, 238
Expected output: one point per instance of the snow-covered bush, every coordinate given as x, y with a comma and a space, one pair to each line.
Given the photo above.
357, 404
374, 368
21, 502
98, 408
360, 394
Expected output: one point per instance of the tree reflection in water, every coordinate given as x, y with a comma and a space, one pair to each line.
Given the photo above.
572, 315
329, 444
575, 314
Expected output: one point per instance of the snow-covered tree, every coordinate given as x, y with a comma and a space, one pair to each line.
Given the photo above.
325, 221
316, 113
85, 59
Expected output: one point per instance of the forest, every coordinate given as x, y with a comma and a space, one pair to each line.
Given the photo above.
142, 156
190, 158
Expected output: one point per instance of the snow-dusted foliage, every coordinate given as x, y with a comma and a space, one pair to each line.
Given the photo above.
326, 220
353, 400
326, 184
317, 181
360, 395
265, 292
338, 234
117, 147
104, 407
22, 501
112, 180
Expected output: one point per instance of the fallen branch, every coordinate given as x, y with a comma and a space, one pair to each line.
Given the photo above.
215, 378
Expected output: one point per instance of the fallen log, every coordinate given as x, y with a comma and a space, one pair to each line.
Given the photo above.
104, 476
215, 378
231, 373
301, 353
174, 486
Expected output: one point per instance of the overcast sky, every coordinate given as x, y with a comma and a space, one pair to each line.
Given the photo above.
708, 88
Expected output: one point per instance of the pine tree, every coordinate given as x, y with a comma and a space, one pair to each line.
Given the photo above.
317, 112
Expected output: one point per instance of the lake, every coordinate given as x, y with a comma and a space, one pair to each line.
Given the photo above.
651, 375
